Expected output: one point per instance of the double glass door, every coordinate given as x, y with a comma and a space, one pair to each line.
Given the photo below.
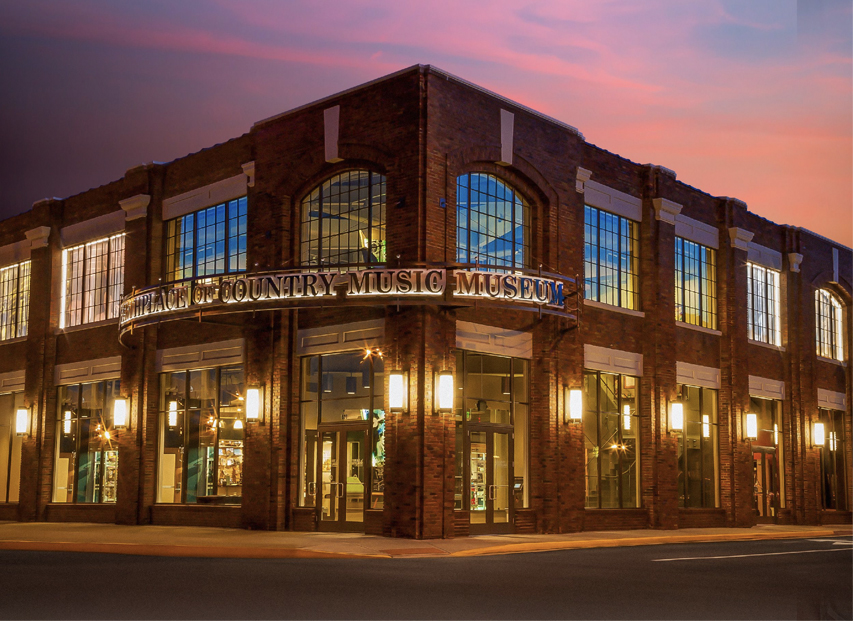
341, 476
491, 479
766, 484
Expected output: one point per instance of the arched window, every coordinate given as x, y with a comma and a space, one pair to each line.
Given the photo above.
829, 325
492, 222
343, 220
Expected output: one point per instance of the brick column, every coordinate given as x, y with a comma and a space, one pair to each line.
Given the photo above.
570, 444
258, 465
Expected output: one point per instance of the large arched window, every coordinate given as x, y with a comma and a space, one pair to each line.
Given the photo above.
492, 222
829, 325
343, 220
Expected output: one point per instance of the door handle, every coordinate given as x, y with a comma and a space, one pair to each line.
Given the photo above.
491, 492
340, 490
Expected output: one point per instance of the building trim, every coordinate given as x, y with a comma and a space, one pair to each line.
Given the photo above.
341, 337
200, 356
12, 381
614, 308
697, 231
87, 371
697, 375
606, 198
767, 388
740, 238
135, 207
666, 210
690, 326
38, 237
795, 259
831, 400
213, 194
493, 340
583, 175
612, 360
95, 228
762, 255
11, 254
507, 134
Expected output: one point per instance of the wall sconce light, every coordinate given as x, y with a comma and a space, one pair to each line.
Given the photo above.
398, 391
572, 404
626, 417
751, 421
676, 416
120, 413
173, 413
253, 404
818, 435
444, 392
22, 421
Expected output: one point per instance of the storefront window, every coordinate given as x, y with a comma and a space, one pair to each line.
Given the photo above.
202, 424
768, 457
86, 466
492, 408
10, 447
698, 453
343, 391
611, 441
833, 456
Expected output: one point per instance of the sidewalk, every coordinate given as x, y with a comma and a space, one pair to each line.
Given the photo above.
192, 541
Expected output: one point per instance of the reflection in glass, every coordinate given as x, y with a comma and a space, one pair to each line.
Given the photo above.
698, 453
10, 447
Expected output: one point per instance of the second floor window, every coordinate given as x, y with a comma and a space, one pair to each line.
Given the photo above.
93, 281
207, 242
14, 300
492, 222
611, 259
695, 284
762, 305
829, 325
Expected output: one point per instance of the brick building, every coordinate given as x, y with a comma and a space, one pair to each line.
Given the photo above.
419, 309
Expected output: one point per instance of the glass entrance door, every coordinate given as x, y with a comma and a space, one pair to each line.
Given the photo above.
490, 496
766, 485
342, 475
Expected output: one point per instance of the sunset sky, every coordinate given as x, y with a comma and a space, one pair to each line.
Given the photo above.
745, 99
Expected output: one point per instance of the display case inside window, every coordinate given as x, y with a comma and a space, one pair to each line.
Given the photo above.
10, 447
202, 426
87, 453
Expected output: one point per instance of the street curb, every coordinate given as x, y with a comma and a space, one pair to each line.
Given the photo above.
520, 548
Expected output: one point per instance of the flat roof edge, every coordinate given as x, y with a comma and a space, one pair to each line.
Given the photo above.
826, 239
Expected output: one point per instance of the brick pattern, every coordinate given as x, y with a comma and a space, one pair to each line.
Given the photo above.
422, 130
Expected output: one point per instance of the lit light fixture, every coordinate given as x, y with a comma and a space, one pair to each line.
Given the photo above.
572, 404
106, 434
120, 413
832, 441
253, 404
238, 424
775, 434
819, 435
444, 392
173, 413
505, 385
626, 417
22, 421
66, 422
398, 391
351, 385
751, 426
706, 426
327, 382
676, 416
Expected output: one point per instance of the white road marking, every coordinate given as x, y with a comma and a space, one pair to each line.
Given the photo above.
835, 542
705, 558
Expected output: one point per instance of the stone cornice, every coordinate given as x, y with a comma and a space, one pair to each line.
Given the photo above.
249, 171
38, 237
666, 210
794, 261
584, 175
135, 207
740, 238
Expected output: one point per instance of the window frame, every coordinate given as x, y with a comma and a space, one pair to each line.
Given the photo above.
829, 327
627, 289
75, 310
770, 318
516, 199
704, 270
21, 301
833, 452
232, 247
681, 436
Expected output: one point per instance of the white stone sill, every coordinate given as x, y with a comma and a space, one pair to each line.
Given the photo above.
17, 339
690, 326
87, 326
840, 363
615, 309
767, 345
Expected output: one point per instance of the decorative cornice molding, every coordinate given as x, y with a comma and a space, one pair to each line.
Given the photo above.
135, 207
740, 237
583, 176
38, 237
794, 261
249, 171
666, 210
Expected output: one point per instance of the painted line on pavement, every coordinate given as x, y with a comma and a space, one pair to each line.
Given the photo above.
706, 558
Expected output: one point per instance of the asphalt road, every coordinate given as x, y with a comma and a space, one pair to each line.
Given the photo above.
787, 579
